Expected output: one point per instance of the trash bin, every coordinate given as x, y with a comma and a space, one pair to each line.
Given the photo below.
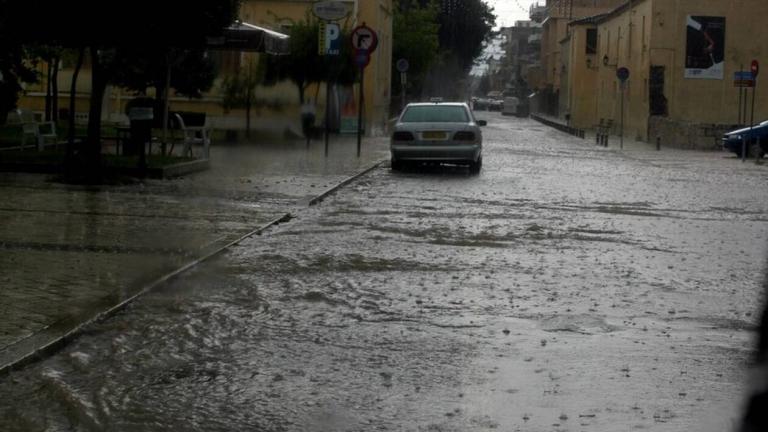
141, 133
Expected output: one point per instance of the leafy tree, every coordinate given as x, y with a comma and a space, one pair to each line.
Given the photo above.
305, 66
51, 56
485, 84
143, 25
192, 72
415, 30
239, 90
14, 69
464, 25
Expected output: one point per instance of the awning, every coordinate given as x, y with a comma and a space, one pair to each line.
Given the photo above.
242, 36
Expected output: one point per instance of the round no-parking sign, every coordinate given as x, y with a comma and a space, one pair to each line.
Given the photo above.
364, 38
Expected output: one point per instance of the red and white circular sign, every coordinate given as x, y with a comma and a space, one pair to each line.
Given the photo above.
364, 38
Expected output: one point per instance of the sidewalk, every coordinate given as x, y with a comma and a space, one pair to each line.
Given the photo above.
68, 253
615, 142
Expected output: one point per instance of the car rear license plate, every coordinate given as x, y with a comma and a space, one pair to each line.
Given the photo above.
434, 135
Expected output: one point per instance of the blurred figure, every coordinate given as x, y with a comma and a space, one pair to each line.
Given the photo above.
308, 115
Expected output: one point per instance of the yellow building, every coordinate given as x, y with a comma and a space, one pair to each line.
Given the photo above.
282, 98
682, 56
555, 16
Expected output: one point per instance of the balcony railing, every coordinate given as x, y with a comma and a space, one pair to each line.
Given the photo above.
537, 12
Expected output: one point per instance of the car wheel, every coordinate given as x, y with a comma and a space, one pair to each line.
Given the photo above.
474, 167
396, 165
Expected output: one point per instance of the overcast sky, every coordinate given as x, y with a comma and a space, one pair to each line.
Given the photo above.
509, 11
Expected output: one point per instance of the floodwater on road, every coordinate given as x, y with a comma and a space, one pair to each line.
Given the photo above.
567, 287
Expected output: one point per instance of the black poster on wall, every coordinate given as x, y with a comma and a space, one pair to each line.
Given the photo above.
705, 47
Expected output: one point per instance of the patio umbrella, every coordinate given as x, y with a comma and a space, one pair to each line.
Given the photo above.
242, 36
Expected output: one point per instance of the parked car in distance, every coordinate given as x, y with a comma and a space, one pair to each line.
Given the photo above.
495, 105
510, 106
442, 132
732, 141
480, 104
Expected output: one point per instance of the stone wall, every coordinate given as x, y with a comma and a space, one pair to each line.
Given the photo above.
686, 135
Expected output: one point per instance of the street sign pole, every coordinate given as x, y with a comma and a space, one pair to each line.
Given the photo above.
364, 41
402, 67
402, 82
621, 134
622, 74
751, 121
741, 93
755, 68
327, 113
360, 110
744, 109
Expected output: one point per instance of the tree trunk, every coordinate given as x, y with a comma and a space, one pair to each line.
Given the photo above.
48, 74
248, 103
167, 91
301, 92
71, 119
55, 89
92, 150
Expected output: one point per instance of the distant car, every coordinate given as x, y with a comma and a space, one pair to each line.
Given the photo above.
444, 132
732, 141
496, 105
480, 104
510, 106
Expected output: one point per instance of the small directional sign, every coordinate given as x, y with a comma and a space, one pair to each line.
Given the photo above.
743, 79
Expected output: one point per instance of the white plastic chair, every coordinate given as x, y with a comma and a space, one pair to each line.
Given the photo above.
40, 132
194, 135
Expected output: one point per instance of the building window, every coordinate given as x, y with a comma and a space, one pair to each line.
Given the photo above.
591, 41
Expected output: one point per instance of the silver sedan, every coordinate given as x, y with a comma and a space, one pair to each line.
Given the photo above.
437, 132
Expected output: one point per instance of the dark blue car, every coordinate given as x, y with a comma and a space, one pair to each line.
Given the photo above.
732, 141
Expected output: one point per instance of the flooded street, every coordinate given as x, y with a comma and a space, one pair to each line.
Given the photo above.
567, 287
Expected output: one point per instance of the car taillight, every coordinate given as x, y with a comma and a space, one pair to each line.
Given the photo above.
402, 136
464, 136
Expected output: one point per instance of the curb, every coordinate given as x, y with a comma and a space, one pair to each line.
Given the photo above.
60, 342
580, 133
318, 199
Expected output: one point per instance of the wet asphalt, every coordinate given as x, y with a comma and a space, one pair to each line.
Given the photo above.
567, 287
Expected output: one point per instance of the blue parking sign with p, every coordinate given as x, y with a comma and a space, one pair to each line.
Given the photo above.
332, 39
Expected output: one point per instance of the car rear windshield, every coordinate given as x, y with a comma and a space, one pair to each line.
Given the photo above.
435, 114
